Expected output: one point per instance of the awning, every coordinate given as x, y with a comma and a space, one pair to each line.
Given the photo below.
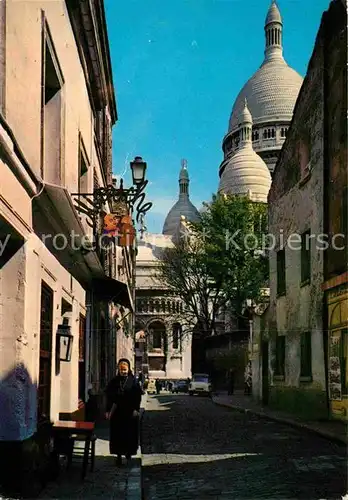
61, 200
54, 213
113, 290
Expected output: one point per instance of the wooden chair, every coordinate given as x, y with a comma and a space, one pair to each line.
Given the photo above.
79, 451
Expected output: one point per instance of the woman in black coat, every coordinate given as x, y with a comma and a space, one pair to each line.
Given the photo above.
123, 395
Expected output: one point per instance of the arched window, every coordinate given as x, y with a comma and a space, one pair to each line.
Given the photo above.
281, 132
268, 134
285, 132
157, 334
273, 132
256, 135
265, 134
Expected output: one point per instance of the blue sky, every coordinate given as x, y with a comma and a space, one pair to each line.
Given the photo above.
178, 66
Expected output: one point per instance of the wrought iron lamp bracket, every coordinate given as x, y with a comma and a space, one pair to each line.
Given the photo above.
92, 204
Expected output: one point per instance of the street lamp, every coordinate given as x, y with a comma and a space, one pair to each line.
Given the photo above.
138, 167
132, 198
64, 342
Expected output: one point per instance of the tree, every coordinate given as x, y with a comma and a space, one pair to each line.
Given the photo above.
184, 270
234, 230
218, 260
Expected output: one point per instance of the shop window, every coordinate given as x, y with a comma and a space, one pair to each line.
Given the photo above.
305, 257
279, 369
45, 362
281, 275
306, 355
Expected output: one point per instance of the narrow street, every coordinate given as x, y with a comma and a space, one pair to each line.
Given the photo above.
194, 449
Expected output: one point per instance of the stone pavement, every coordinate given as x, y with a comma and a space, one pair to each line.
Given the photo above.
334, 430
106, 482
196, 450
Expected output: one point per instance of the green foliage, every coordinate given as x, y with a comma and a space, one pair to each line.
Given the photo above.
218, 260
233, 229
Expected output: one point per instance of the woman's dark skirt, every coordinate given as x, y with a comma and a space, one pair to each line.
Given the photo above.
124, 434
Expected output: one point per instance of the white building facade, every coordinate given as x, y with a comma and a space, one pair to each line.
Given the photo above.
57, 108
164, 352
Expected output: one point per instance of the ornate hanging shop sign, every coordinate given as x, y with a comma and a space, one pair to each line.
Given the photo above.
119, 225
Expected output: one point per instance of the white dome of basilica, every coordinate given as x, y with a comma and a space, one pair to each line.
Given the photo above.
271, 94
245, 173
183, 207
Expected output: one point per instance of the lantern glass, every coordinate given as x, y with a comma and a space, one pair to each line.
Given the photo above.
65, 342
138, 167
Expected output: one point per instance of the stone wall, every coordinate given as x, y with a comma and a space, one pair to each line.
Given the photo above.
295, 206
336, 175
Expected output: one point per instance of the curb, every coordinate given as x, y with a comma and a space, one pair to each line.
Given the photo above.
292, 423
134, 488
142, 412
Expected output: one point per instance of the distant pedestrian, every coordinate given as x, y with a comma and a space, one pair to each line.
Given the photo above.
123, 405
158, 386
231, 382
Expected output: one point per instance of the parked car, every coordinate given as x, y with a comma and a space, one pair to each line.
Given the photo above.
200, 384
180, 386
151, 386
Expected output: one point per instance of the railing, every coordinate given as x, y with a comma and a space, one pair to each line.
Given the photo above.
159, 306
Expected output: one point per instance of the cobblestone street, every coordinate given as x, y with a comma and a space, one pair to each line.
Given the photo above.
195, 449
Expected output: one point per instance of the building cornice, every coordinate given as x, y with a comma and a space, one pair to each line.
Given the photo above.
88, 22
